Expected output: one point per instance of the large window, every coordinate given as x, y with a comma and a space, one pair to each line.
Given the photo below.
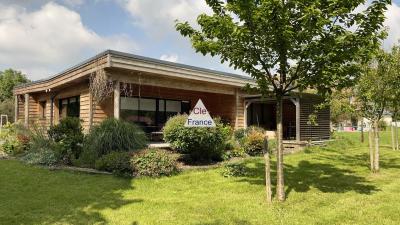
69, 107
151, 113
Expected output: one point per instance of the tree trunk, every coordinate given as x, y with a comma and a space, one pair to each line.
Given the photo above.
396, 135
393, 139
376, 158
267, 171
362, 131
371, 149
280, 185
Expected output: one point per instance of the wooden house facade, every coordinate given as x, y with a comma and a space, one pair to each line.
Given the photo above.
147, 92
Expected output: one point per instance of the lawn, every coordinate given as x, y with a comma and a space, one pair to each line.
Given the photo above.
330, 185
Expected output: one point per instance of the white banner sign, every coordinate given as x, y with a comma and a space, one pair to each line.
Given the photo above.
199, 117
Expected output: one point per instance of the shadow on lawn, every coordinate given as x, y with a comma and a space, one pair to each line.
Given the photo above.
34, 195
306, 175
361, 159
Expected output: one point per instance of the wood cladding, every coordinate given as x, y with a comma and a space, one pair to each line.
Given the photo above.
318, 131
220, 105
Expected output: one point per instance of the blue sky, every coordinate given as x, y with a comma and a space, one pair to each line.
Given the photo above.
43, 37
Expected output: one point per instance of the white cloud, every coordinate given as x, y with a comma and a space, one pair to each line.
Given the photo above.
73, 3
393, 23
50, 39
158, 18
170, 58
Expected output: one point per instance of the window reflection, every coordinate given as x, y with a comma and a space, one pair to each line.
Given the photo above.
151, 113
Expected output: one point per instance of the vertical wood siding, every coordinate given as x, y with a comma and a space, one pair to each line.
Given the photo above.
321, 131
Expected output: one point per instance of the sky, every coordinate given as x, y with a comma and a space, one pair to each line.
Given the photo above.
44, 37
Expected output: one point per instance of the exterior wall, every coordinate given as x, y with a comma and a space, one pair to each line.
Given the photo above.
229, 107
221, 105
102, 111
21, 108
240, 111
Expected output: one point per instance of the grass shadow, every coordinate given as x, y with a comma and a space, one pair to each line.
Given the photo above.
306, 175
32, 195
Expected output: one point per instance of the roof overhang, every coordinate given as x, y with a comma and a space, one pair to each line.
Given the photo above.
114, 59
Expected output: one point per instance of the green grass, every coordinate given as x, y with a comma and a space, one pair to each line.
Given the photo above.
329, 185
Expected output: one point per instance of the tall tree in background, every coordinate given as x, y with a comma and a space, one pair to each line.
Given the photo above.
341, 106
344, 108
288, 45
8, 80
373, 94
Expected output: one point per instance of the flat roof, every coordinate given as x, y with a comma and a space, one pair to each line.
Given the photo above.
138, 58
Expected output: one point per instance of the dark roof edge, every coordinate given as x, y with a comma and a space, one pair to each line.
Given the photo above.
104, 53
185, 66
137, 57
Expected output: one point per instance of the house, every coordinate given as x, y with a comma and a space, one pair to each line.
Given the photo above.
148, 91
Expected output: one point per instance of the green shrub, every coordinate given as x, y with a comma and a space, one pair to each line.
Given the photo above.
38, 138
115, 162
45, 156
253, 142
202, 143
236, 152
69, 134
234, 170
231, 144
239, 134
16, 139
109, 136
12, 146
153, 163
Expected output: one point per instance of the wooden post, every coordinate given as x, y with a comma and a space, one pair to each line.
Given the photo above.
246, 106
236, 109
362, 130
51, 111
91, 110
16, 108
267, 171
371, 149
396, 135
117, 99
298, 120
393, 138
296, 102
376, 155
26, 110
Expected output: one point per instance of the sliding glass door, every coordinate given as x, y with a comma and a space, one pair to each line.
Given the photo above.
151, 113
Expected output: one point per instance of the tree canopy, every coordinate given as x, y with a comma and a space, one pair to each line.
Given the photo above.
8, 80
288, 45
373, 90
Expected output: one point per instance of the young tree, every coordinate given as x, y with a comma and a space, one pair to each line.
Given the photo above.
289, 45
373, 94
394, 100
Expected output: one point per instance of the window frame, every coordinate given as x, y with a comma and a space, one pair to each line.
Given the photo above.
157, 121
68, 99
